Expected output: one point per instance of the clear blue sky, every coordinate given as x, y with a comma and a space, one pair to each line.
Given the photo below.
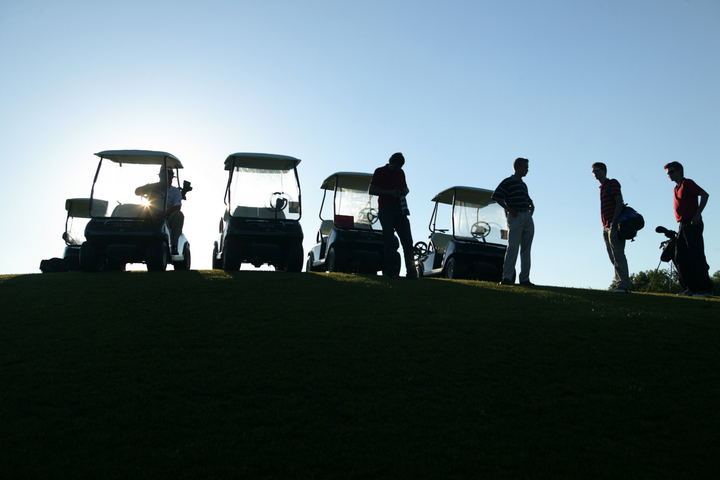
462, 88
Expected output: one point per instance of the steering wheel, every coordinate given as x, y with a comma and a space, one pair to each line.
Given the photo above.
420, 250
278, 201
480, 229
372, 216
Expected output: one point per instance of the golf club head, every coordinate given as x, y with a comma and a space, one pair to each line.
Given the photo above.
666, 232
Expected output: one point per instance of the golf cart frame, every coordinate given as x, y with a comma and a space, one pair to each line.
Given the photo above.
352, 240
261, 234
131, 233
471, 250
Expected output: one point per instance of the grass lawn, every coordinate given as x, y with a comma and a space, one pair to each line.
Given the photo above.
204, 374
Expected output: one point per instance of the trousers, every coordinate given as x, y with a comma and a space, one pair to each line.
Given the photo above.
690, 259
616, 251
393, 220
521, 232
176, 220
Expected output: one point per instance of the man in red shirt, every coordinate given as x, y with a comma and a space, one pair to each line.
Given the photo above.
388, 183
690, 248
611, 206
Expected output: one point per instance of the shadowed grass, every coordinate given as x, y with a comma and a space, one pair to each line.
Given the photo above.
267, 375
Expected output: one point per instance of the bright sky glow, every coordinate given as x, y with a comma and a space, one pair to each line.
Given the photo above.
462, 88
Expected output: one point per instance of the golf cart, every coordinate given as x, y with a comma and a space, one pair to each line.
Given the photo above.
261, 224
78, 213
136, 230
476, 244
350, 240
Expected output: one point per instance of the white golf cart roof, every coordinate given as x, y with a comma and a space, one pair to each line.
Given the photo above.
261, 161
80, 207
477, 196
349, 180
143, 157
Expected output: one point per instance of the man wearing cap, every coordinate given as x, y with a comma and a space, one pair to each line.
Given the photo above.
611, 207
690, 258
155, 193
512, 195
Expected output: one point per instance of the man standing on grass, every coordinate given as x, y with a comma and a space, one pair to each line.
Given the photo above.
388, 183
512, 195
689, 247
611, 206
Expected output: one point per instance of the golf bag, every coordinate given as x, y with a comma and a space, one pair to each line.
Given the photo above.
668, 246
668, 249
629, 223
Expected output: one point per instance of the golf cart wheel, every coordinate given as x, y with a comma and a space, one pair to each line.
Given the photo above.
185, 263
336, 260
294, 261
420, 270
216, 264
157, 257
89, 258
115, 265
309, 264
232, 255
453, 269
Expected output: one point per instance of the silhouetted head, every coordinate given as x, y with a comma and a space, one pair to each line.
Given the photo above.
170, 174
520, 161
674, 167
397, 159
521, 166
599, 166
396, 162
599, 170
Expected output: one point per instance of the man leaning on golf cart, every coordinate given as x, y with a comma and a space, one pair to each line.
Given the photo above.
154, 192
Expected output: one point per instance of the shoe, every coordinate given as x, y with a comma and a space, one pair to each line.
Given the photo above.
622, 290
686, 293
527, 283
505, 281
703, 294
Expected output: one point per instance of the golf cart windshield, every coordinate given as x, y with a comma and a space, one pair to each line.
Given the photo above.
352, 200
263, 186
121, 172
475, 215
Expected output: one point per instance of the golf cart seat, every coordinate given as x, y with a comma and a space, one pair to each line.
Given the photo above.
326, 227
440, 240
128, 210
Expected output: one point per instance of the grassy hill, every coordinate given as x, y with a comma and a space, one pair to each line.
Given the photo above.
205, 374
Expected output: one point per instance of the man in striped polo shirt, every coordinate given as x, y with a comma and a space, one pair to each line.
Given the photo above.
611, 206
512, 195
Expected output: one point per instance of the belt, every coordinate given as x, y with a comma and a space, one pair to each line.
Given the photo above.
522, 209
